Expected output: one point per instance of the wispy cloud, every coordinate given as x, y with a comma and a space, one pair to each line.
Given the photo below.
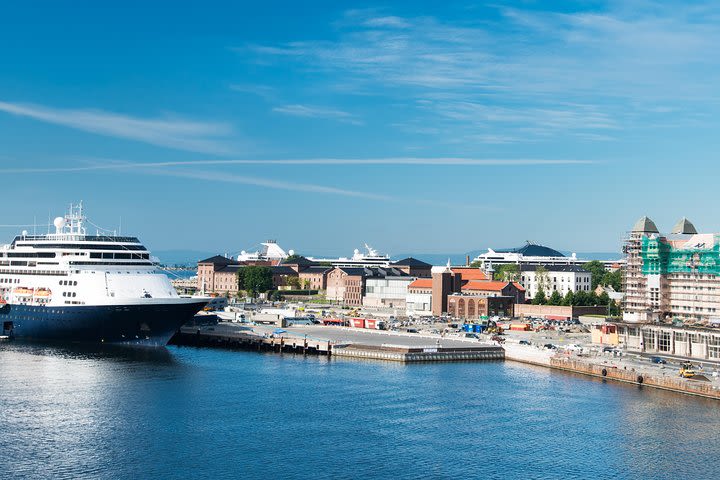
263, 91
176, 133
528, 74
110, 164
197, 169
311, 111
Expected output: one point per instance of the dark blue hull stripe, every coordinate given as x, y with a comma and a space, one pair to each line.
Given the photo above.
143, 324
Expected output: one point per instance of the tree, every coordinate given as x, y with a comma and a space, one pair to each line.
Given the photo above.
613, 309
539, 298
241, 279
294, 282
476, 264
603, 299
597, 270
257, 279
568, 299
555, 298
305, 284
580, 298
542, 278
294, 258
508, 272
613, 279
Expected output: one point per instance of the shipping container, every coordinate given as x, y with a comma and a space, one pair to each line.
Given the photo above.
357, 322
520, 327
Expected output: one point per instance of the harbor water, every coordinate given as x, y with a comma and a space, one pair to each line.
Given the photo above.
110, 412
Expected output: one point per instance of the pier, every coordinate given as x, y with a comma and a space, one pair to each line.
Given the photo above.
340, 342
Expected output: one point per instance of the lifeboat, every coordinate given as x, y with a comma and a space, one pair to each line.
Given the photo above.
23, 292
43, 293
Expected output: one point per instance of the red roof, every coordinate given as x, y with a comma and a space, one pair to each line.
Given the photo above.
519, 287
470, 273
421, 283
484, 286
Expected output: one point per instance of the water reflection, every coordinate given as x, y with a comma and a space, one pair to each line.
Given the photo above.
80, 411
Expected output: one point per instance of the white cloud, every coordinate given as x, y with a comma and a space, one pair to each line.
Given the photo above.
110, 164
530, 74
169, 132
310, 111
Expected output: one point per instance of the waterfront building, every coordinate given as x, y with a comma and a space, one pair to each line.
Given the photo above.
314, 277
673, 276
472, 307
216, 275
386, 288
418, 302
414, 267
560, 278
369, 286
694, 343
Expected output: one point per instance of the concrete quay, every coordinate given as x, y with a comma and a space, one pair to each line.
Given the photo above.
622, 369
339, 341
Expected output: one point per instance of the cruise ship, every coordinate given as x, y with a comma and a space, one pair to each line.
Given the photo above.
72, 286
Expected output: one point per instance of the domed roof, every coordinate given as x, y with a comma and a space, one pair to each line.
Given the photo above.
645, 225
684, 226
533, 250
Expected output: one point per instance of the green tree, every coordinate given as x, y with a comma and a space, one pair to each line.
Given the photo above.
257, 279
476, 264
580, 298
294, 258
241, 279
539, 298
508, 272
613, 309
613, 279
294, 282
568, 299
603, 299
542, 277
597, 270
555, 298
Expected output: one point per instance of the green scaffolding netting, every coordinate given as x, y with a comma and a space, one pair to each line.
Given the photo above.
661, 258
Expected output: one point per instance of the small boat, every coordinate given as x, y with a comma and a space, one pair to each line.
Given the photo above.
4, 337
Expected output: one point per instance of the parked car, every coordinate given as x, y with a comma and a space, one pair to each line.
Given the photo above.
658, 360
524, 342
549, 346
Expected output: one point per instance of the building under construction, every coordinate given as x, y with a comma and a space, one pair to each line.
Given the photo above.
671, 277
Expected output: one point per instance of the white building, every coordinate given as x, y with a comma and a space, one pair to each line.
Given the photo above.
386, 287
560, 278
418, 302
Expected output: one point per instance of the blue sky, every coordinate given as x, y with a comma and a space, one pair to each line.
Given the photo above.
412, 126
